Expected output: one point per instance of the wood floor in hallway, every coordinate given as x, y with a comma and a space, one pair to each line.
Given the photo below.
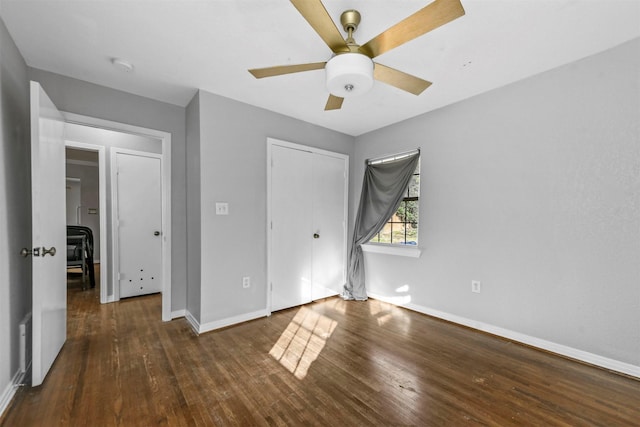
329, 363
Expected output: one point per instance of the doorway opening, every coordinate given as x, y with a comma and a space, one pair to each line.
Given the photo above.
86, 216
91, 135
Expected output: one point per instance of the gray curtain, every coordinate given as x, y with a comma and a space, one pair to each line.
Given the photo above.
383, 189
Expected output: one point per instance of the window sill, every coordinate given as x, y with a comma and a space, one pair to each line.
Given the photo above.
399, 250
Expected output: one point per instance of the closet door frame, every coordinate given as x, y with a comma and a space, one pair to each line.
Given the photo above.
286, 144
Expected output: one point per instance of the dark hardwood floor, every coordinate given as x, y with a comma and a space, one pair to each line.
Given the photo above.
330, 363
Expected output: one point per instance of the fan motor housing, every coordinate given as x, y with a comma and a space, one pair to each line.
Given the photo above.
349, 74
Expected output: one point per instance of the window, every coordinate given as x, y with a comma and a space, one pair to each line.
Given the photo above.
402, 227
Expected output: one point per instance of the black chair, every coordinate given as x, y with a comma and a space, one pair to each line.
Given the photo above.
80, 251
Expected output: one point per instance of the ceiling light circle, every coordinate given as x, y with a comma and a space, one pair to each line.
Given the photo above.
122, 65
349, 74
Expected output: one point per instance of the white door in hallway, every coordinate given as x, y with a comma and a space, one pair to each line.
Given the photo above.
139, 223
49, 291
307, 205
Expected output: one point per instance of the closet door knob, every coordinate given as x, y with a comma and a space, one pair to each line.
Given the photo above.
316, 236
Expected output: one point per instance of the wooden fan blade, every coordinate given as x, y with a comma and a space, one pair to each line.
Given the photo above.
279, 70
333, 103
396, 78
318, 17
426, 19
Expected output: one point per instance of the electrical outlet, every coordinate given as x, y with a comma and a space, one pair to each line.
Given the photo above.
246, 282
475, 286
222, 208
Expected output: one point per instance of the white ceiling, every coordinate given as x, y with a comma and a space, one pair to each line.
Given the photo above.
178, 46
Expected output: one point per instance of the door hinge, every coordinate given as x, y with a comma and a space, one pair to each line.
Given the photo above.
119, 276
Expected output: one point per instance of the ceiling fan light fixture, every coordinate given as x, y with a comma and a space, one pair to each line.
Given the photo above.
349, 74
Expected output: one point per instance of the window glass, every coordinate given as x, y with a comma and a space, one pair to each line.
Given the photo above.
402, 227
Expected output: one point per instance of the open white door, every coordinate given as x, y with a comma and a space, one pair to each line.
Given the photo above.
49, 290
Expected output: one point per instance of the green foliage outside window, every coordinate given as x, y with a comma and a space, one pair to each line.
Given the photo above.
402, 227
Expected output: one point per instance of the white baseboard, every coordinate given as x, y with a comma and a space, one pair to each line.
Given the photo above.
178, 313
573, 353
10, 391
192, 321
229, 321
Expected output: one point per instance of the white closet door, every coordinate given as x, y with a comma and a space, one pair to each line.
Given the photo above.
329, 195
291, 238
139, 201
307, 203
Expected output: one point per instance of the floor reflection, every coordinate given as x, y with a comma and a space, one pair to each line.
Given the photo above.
383, 312
303, 340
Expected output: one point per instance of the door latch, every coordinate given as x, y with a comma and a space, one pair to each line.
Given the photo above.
26, 252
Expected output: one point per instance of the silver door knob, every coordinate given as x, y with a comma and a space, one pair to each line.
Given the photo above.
26, 252
156, 233
51, 251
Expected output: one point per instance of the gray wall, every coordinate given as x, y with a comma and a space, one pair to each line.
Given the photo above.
533, 189
15, 203
232, 150
76, 96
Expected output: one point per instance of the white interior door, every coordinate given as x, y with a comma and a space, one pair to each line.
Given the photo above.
307, 202
73, 201
291, 210
329, 221
139, 222
49, 292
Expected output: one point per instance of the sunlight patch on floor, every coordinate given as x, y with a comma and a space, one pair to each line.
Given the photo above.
382, 311
303, 340
339, 305
385, 311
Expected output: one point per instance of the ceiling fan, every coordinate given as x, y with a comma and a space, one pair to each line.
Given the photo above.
351, 70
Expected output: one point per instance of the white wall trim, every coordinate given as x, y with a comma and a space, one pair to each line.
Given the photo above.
573, 353
222, 323
192, 321
10, 390
178, 313
388, 249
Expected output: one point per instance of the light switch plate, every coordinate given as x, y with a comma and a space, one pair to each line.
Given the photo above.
222, 208
476, 286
